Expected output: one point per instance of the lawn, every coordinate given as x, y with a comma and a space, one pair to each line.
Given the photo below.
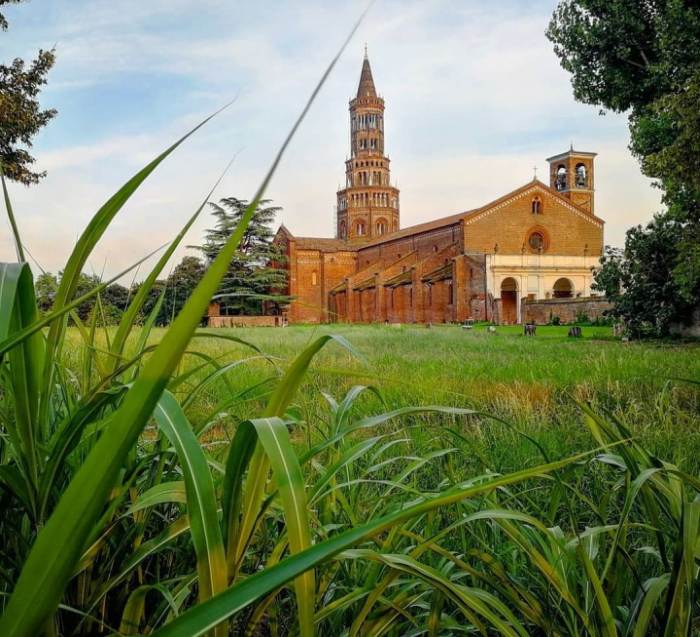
535, 500
531, 382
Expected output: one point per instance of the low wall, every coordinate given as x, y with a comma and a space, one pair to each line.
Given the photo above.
689, 329
541, 312
245, 321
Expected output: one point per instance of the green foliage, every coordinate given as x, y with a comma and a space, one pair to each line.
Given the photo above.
45, 287
176, 289
640, 280
644, 58
254, 279
21, 116
181, 283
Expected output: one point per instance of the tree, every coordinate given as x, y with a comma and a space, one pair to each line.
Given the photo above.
180, 285
45, 286
21, 116
176, 289
643, 57
640, 272
254, 278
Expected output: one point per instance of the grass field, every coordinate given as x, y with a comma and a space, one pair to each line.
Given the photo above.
532, 383
546, 486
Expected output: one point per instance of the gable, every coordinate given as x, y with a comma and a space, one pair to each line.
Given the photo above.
509, 222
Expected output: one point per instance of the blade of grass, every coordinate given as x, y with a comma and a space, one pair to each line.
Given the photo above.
201, 499
203, 617
47, 571
11, 216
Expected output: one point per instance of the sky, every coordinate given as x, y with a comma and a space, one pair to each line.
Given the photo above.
475, 100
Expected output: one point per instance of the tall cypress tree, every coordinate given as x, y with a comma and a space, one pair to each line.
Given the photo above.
254, 278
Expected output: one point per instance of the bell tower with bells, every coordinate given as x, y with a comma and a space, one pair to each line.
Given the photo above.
572, 174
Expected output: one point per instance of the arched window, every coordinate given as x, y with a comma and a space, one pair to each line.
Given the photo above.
381, 227
581, 176
343, 229
563, 289
360, 229
561, 177
314, 278
536, 206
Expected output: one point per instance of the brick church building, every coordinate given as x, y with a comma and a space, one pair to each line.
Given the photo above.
537, 243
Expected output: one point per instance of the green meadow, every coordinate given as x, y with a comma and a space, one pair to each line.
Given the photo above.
534, 383
444, 481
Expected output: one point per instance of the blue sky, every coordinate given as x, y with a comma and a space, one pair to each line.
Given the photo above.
475, 99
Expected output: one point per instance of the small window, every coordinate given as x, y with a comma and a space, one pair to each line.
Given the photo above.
536, 206
314, 278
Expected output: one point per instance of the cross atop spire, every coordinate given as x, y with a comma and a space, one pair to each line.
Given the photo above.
366, 86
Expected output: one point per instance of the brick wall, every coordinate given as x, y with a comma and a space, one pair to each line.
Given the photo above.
313, 275
423, 244
566, 232
244, 321
541, 312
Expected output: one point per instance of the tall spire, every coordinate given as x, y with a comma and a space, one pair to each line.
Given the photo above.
366, 86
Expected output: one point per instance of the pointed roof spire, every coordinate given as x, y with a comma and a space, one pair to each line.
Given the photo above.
366, 86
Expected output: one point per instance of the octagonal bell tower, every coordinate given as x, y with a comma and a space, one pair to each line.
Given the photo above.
368, 206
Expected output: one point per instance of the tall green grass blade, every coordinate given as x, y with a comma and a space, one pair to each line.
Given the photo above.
240, 533
274, 439
201, 499
17, 310
608, 628
11, 341
653, 589
46, 571
11, 216
203, 617
84, 247
131, 313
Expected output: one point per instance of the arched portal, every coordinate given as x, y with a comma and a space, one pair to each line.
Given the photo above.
563, 289
509, 301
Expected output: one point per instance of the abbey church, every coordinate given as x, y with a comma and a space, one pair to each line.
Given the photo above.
499, 262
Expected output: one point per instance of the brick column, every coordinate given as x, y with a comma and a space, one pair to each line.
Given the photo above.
293, 291
417, 314
380, 306
350, 301
462, 288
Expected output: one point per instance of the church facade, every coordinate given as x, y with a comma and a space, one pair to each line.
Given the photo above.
538, 242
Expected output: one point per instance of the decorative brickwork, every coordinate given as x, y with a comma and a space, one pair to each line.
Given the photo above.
368, 206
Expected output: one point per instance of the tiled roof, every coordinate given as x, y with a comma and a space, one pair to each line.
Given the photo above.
319, 243
438, 274
400, 279
419, 228
366, 86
